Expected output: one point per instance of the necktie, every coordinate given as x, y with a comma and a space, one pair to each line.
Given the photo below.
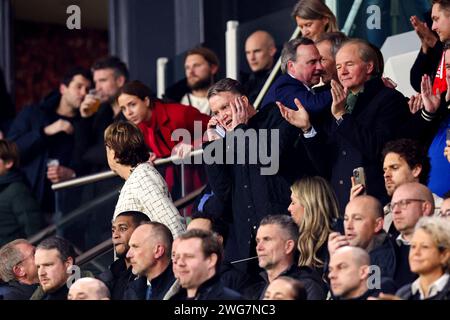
148, 294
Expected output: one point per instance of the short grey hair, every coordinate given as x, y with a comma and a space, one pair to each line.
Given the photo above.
225, 85
438, 229
10, 256
285, 222
289, 52
336, 39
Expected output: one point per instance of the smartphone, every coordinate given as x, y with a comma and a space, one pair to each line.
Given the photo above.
360, 177
220, 131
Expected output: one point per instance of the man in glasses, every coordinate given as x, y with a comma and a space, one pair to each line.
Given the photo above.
409, 203
18, 270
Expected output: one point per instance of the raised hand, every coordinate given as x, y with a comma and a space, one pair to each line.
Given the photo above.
427, 37
58, 126
211, 129
339, 94
299, 118
415, 103
59, 173
430, 101
335, 241
356, 190
239, 112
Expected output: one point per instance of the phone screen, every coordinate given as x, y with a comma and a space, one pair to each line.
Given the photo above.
220, 131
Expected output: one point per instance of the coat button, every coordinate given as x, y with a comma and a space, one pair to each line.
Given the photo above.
344, 153
249, 207
245, 186
341, 182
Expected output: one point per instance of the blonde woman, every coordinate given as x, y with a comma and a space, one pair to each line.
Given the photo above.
313, 208
314, 18
429, 257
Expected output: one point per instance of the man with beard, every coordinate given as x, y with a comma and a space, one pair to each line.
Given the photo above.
45, 132
119, 275
201, 65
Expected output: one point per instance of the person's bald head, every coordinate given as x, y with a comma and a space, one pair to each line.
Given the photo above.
88, 289
349, 271
409, 203
150, 246
260, 51
363, 220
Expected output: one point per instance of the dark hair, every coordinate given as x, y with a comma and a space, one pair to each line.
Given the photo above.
444, 4
210, 244
9, 152
218, 225
206, 53
69, 75
112, 62
285, 222
65, 248
162, 232
225, 85
138, 89
297, 287
413, 153
367, 53
336, 39
127, 142
138, 217
289, 52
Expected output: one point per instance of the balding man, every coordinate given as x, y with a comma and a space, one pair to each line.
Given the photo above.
410, 202
150, 258
88, 289
260, 52
363, 225
349, 274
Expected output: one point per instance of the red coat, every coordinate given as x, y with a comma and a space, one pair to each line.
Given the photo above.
166, 117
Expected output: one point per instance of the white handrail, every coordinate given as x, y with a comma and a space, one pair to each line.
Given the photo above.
161, 68
231, 49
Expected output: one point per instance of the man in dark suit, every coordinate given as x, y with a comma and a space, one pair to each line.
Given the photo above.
302, 68
363, 117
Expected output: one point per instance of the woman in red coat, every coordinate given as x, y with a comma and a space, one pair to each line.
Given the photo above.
157, 121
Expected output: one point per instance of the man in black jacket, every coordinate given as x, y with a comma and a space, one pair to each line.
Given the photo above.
119, 275
276, 247
150, 258
18, 270
198, 257
253, 187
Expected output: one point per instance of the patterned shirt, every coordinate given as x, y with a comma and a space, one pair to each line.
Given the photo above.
146, 191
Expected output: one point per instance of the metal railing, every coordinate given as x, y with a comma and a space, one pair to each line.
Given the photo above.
109, 174
107, 245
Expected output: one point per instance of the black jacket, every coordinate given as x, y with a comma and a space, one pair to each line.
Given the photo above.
117, 278
15, 290
252, 194
358, 140
383, 254
160, 285
425, 63
20, 215
314, 286
211, 289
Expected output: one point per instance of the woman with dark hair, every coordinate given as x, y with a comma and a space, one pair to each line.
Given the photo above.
157, 121
144, 189
314, 18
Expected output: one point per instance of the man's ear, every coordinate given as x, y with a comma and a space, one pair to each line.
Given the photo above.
245, 100
68, 263
370, 67
212, 261
120, 81
289, 246
363, 272
289, 66
214, 69
272, 51
416, 171
18, 271
427, 209
62, 88
9, 164
379, 222
159, 251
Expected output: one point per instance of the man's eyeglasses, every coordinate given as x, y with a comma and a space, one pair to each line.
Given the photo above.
403, 203
445, 214
31, 255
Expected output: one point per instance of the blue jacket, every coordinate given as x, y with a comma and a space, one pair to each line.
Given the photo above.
285, 89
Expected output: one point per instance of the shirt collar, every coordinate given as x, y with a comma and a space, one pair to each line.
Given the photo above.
402, 241
308, 88
434, 289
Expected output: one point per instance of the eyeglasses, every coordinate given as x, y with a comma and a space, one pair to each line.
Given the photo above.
31, 255
445, 213
403, 203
